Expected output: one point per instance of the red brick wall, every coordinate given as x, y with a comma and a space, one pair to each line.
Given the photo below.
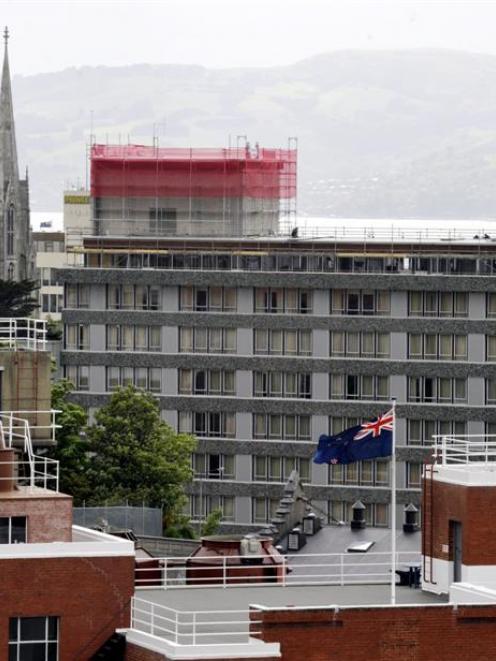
383, 634
135, 653
473, 507
90, 595
49, 519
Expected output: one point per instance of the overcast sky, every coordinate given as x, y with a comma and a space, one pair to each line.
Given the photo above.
49, 36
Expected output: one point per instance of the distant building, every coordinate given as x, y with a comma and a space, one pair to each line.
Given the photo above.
50, 255
16, 257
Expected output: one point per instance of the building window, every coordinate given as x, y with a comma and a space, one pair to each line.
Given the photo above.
360, 302
13, 529
359, 344
360, 473
282, 384
424, 346
207, 382
132, 297
201, 508
77, 296
340, 511
78, 375
77, 337
146, 378
413, 474
491, 391
432, 389
278, 469
421, 432
279, 342
358, 386
213, 466
207, 340
437, 304
211, 299
207, 424
292, 301
33, 638
263, 509
10, 230
285, 427
134, 338
50, 303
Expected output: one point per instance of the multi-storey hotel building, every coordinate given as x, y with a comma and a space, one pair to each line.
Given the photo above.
259, 346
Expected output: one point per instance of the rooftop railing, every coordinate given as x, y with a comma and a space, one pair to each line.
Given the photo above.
299, 569
22, 333
16, 433
465, 449
183, 627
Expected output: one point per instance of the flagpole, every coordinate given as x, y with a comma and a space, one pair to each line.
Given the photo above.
393, 505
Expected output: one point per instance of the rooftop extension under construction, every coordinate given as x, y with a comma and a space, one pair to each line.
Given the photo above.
151, 191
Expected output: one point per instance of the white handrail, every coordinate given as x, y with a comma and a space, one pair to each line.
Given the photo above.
294, 569
187, 627
23, 333
464, 449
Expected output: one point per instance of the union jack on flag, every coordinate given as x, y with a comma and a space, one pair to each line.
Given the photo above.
375, 428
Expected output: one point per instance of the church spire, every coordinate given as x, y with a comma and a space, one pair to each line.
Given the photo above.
8, 154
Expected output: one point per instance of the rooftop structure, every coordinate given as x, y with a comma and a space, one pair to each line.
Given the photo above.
151, 191
342, 608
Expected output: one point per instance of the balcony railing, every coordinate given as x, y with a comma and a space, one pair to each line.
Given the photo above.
464, 449
22, 333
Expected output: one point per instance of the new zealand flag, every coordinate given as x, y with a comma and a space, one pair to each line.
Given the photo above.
367, 441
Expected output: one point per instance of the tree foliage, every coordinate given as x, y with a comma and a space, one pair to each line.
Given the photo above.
212, 523
18, 299
72, 448
136, 456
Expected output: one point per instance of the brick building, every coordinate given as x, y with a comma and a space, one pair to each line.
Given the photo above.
64, 589
452, 615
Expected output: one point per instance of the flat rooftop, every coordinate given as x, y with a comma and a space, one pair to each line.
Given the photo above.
241, 598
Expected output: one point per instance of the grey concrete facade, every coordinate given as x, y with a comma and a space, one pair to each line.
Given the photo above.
465, 410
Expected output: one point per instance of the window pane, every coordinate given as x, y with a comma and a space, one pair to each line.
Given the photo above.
230, 340
461, 347
290, 342
33, 628
261, 341
415, 309
445, 347
18, 529
276, 342
229, 299
337, 343
290, 427
352, 344
215, 340
305, 340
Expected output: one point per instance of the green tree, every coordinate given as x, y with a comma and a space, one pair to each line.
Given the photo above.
137, 457
212, 523
18, 299
72, 448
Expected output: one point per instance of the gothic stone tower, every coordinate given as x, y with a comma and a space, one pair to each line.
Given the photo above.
16, 257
